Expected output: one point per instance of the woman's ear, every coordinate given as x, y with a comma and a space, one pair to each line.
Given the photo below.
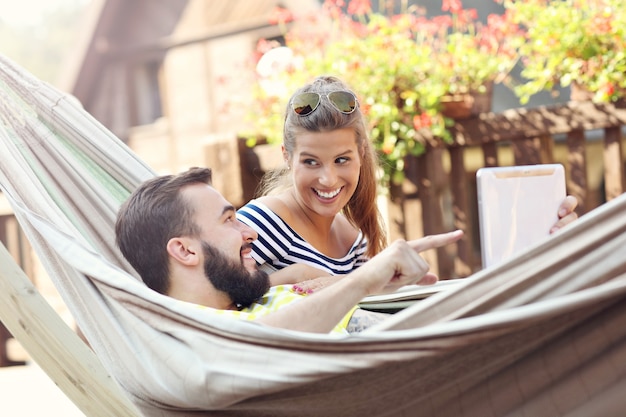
184, 250
285, 155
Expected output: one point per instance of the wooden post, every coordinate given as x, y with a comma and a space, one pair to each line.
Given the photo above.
613, 165
464, 264
431, 178
577, 175
55, 347
527, 151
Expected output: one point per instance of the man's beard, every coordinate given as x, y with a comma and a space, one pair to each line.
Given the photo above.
233, 278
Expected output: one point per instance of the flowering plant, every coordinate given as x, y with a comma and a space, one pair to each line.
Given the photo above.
572, 41
401, 65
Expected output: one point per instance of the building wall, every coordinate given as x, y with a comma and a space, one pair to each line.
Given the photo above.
205, 84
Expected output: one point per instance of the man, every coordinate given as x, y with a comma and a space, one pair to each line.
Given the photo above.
184, 240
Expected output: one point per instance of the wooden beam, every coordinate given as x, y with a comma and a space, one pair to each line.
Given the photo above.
518, 124
55, 347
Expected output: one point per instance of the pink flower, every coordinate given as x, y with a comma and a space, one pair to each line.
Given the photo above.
359, 7
280, 16
452, 6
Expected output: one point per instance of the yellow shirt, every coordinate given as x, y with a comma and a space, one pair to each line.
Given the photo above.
277, 297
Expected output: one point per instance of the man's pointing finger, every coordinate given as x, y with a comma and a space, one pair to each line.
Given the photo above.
435, 241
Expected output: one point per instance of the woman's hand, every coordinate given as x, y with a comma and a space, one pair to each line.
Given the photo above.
566, 213
296, 273
316, 284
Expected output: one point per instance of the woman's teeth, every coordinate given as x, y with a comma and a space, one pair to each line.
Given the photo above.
330, 194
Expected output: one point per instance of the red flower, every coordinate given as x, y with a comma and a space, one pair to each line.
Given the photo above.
608, 89
280, 16
452, 6
387, 148
360, 7
333, 8
421, 121
354, 65
600, 24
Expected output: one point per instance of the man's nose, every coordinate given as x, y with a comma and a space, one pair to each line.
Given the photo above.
248, 233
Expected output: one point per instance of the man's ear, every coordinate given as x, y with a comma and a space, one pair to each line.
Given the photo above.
184, 250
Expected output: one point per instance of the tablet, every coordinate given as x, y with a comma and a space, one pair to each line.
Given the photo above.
517, 206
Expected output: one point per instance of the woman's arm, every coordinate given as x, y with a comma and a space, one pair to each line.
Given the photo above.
295, 273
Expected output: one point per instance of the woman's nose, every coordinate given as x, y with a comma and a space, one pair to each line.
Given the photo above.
328, 176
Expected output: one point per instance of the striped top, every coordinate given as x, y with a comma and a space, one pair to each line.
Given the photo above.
279, 245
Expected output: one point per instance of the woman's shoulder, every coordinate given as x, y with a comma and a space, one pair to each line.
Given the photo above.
266, 211
275, 204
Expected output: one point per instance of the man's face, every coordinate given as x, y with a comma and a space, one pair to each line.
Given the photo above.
217, 221
233, 278
226, 246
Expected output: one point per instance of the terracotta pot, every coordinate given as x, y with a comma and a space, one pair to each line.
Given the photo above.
579, 92
464, 106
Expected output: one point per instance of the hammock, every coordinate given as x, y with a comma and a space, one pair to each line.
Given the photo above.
542, 334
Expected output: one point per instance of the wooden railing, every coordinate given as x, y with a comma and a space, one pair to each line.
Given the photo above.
438, 193
569, 134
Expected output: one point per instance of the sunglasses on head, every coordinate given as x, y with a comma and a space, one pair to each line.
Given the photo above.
304, 104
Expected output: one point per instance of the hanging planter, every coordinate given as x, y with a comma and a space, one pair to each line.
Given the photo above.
465, 106
579, 92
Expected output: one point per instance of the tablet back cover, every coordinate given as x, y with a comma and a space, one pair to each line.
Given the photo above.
517, 206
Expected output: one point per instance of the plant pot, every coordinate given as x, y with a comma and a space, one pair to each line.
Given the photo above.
464, 106
579, 92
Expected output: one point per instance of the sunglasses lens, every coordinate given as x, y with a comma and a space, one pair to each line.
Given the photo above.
344, 101
305, 103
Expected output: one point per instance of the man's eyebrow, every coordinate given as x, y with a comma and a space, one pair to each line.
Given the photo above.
228, 209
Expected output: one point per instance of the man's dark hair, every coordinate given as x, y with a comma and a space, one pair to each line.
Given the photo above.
153, 214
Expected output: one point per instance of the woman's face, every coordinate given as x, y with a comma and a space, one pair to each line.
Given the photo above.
325, 168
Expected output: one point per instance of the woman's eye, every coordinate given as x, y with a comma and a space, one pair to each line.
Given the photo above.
310, 162
342, 160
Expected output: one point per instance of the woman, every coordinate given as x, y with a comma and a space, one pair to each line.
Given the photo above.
320, 211
318, 216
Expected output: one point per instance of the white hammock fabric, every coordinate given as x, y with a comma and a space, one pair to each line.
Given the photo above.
542, 334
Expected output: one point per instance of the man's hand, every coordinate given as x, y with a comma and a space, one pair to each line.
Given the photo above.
400, 264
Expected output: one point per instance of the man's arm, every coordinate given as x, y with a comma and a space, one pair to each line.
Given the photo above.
398, 265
